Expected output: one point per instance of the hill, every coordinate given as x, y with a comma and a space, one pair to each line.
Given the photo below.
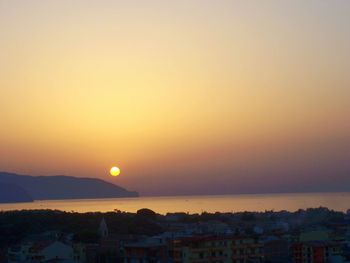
60, 187
10, 193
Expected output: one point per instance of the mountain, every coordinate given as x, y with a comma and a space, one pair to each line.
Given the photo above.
60, 187
10, 193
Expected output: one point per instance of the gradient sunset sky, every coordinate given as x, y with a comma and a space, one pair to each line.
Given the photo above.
186, 97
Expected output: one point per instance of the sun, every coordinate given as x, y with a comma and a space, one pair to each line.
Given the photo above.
115, 171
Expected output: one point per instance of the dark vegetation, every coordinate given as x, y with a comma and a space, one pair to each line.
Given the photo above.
16, 225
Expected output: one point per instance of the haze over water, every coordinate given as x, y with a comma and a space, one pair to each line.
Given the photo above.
196, 204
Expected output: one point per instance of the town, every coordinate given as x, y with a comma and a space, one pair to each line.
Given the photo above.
305, 236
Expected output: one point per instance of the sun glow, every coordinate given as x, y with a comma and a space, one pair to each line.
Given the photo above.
115, 171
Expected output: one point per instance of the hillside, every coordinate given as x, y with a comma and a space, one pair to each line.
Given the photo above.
10, 193
60, 187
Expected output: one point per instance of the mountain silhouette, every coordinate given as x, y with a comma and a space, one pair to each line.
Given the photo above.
28, 188
10, 193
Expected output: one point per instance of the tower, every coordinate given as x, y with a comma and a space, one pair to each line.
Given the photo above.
103, 229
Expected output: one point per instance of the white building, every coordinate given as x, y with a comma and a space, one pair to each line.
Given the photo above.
40, 252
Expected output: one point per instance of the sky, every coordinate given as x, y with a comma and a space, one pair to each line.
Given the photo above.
186, 97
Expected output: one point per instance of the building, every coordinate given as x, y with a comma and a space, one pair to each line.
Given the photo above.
103, 229
146, 252
316, 252
201, 249
276, 251
246, 250
217, 249
40, 252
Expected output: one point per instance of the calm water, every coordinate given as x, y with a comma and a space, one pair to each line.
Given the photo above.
196, 204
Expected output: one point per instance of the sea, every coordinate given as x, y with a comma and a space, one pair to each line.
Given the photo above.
195, 204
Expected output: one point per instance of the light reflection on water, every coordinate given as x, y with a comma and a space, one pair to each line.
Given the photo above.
196, 204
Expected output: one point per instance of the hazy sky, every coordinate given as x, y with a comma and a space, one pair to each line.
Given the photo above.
184, 96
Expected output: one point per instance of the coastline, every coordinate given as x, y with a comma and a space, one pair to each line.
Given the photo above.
194, 204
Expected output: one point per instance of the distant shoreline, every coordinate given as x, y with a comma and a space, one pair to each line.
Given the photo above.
16, 188
182, 196
195, 204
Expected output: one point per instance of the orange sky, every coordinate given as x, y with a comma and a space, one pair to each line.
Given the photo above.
184, 96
